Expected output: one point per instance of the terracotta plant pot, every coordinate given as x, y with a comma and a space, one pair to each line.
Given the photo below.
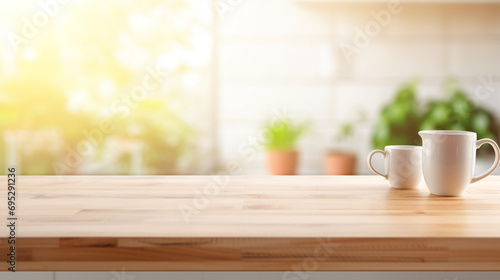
340, 163
282, 162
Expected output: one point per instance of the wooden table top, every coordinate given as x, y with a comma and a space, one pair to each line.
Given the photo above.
297, 206
71, 214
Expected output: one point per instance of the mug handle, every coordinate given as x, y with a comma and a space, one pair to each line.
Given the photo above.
495, 164
370, 162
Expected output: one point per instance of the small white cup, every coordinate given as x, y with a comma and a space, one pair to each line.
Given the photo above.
403, 165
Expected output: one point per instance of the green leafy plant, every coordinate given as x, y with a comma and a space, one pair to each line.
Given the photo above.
399, 120
345, 134
283, 134
458, 112
164, 135
346, 131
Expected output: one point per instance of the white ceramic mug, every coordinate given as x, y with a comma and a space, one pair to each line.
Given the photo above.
403, 165
449, 159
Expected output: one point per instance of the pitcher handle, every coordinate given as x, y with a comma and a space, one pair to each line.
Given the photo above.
370, 162
479, 143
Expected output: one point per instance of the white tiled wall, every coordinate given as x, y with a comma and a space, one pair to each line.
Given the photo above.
286, 54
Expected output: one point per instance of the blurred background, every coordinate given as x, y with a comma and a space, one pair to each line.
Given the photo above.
239, 86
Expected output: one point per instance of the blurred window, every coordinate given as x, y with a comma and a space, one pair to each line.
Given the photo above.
105, 87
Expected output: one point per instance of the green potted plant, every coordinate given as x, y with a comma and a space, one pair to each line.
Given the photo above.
342, 159
399, 120
281, 146
458, 112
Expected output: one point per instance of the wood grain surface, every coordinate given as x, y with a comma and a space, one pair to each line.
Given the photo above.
287, 223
